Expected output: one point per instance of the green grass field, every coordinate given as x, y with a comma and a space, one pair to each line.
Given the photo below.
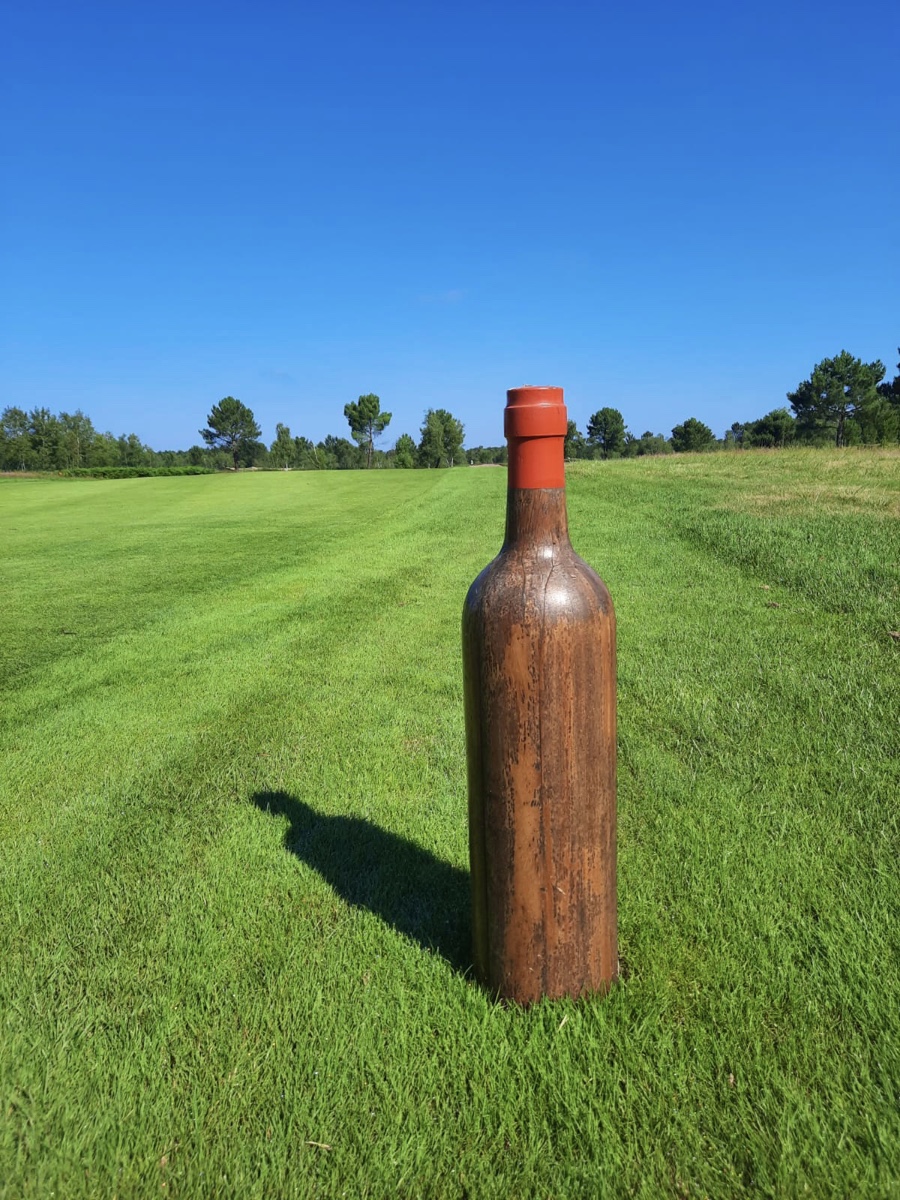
233, 872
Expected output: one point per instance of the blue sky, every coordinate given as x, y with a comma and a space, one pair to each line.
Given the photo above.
672, 209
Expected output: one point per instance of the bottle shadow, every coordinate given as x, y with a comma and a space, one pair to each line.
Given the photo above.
419, 895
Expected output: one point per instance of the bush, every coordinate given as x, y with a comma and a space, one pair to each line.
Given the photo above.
131, 472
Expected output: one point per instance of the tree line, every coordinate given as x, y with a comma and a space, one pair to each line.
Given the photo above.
43, 441
232, 429
844, 402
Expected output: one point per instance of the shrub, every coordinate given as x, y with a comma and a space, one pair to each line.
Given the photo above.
131, 472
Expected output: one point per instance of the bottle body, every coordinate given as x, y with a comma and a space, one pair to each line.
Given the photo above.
540, 706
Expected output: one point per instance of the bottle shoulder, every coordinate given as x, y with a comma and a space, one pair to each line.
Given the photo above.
535, 583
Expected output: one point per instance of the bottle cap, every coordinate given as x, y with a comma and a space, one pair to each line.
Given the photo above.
535, 423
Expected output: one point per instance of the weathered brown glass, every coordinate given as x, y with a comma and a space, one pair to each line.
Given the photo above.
540, 699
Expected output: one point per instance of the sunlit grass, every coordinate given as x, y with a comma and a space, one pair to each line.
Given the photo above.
233, 897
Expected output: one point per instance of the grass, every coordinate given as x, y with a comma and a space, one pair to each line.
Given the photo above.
233, 881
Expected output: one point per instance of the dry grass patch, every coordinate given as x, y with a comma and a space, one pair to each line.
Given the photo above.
823, 498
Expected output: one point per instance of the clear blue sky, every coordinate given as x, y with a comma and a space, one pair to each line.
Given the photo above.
672, 209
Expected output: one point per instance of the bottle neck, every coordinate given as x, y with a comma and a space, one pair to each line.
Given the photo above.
535, 426
536, 517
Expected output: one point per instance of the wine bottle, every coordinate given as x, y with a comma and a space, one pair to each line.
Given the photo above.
539, 672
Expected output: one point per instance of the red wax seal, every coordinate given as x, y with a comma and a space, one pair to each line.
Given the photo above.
535, 424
